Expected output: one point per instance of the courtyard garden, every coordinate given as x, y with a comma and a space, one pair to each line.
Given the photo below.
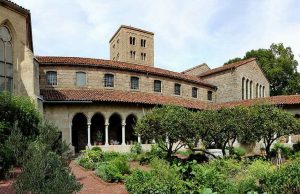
178, 162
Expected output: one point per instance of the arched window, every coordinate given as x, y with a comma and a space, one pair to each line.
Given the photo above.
260, 87
51, 78
109, 80
80, 79
256, 91
263, 91
250, 96
243, 88
6, 60
247, 89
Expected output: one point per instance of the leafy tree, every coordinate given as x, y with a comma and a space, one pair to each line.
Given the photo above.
280, 67
168, 125
233, 60
272, 122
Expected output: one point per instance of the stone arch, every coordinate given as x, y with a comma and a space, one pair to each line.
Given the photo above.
115, 129
130, 135
79, 131
97, 129
11, 29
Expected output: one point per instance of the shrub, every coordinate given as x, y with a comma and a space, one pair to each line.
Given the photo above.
114, 170
162, 179
44, 172
136, 148
287, 152
239, 151
284, 180
89, 158
108, 156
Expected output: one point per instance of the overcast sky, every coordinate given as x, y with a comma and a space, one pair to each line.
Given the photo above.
187, 32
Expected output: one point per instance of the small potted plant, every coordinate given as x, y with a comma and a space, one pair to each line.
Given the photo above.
98, 138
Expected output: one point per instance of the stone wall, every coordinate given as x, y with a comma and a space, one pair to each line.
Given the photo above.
66, 79
229, 82
198, 70
25, 74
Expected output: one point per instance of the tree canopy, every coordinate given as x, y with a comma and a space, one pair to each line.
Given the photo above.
280, 67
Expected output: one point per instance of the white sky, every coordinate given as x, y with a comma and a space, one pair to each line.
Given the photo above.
187, 32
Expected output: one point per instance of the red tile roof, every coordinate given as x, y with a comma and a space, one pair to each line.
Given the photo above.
119, 96
89, 62
226, 67
192, 68
275, 100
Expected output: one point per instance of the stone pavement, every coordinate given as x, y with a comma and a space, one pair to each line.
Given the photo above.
93, 184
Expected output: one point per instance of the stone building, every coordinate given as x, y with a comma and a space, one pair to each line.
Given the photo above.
97, 101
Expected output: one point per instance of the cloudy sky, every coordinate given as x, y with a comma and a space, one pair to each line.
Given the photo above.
187, 33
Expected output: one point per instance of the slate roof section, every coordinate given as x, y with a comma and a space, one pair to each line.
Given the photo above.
226, 67
110, 64
69, 95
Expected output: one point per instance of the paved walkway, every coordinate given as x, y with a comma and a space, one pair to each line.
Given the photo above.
93, 184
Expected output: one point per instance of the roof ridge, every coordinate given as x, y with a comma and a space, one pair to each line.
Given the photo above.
192, 68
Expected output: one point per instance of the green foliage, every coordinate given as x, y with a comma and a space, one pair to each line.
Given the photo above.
155, 152
89, 158
284, 180
239, 151
162, 179
136, 148
114, 170
280, 67
173, 122
44, 172
286, 151
108, 156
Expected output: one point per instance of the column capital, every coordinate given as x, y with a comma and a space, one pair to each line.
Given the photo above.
89, 123
106, 123
123, 123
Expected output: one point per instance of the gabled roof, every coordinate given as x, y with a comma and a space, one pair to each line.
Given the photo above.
192, 68
130, 28
65, 95
227, 67
26, 13
274, 100
110, 64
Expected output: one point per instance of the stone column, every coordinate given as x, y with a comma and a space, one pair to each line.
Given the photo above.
106, 132
123, 132
89, 134
139, 138
290, 139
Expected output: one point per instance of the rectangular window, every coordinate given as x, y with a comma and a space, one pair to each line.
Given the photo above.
177, 89
209, 95
51, 78
80, 79
108, 80
157, 86
195, 92
134, 83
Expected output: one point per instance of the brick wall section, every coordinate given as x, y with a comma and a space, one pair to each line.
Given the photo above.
120, 45
66, 78
229, 82
198, 70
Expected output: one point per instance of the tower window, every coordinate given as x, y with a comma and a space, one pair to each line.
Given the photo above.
177, 89
51, 78
209, 95
143, 43
194, 92
132, 54
157, 86
132, 40
108, 80
143, 56
80, 79
134, 83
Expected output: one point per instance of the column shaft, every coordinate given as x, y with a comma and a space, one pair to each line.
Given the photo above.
89, 134
106, 132
123, 132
